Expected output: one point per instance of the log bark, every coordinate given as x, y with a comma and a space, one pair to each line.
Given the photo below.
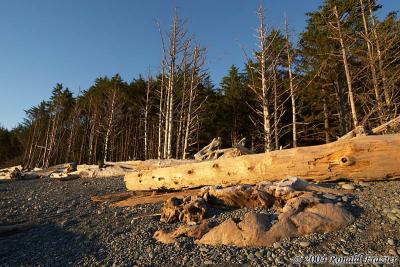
363, 158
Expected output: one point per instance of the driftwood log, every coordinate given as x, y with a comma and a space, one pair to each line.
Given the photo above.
363, 158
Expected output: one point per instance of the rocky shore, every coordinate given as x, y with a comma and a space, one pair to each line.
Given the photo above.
68, 229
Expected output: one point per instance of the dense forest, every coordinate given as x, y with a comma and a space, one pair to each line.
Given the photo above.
343, 72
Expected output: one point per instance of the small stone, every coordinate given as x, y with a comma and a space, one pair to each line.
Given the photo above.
348, 186
396, 210
203, 249
329, 196
304, 244
277, 245
151, 255
208, 262
59, 211
390, 242
345, 199
386, 210
363, 184
345, 252
360, 225
250, 256
393, 252
392, 216
258, 254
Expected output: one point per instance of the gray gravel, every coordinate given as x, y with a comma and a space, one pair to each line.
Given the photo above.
69, 229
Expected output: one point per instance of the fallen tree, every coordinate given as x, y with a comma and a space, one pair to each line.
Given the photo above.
363, 158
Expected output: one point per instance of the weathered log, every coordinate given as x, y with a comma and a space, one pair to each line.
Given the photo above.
362, 158
153, 198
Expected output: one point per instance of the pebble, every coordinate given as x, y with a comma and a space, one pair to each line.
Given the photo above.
363, 184
258, 254
386, 210
330, 196
390, 242
392, 216
59, 211
348, 186
203, 249
208, 262
345, 199
304, 244
277, 245
345, 252
250, 256
396, 210
393, 252
360, 225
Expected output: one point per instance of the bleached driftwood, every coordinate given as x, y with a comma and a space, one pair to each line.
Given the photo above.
206, 151
362, 130
212, 151
362, 158
301, 211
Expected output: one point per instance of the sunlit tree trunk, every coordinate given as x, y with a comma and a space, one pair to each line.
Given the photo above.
347, 69
292, 93
265, 94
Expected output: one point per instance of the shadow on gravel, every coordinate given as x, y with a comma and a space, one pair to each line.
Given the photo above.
46, 245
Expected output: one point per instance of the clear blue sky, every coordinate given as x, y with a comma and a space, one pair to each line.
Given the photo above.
43, 42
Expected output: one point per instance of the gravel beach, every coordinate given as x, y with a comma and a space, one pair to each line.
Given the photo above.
70, 230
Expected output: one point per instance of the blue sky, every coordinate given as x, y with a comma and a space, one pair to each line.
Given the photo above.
43, 42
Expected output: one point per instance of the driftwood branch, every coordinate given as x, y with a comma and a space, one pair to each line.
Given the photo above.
361, 158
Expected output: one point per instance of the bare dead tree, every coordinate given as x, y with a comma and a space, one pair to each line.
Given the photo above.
262, 58
195, 78
346, 67
110, 123
379, 53
146, 115
291, 86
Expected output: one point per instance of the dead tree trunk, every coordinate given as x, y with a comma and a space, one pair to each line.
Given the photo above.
193, 85
346, 68
379, 52
326, 118
371, 61
341, 100
183, 103
109, 125
265, 91
276, 122
292, 93
146, 113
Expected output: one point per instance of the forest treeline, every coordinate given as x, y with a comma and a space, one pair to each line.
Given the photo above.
343, 72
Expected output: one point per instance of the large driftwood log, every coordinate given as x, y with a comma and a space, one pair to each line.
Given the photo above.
362, 158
